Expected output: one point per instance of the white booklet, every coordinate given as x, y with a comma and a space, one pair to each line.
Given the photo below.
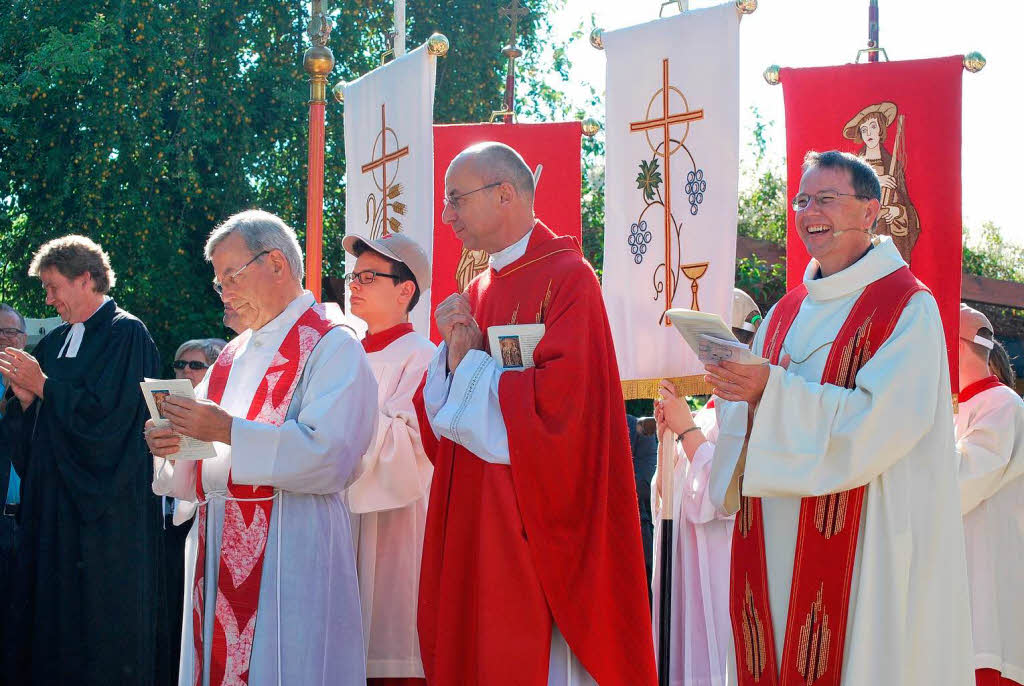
155, 391
709, 337
512, 346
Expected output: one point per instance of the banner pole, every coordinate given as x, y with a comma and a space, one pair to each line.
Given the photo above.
873, 29
318, 63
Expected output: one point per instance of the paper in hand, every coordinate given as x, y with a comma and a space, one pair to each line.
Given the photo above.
710, 339
155, 391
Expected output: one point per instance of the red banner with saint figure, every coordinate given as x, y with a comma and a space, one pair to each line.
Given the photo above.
555, 148
904, 119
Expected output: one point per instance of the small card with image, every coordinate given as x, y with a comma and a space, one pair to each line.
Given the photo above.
512, 346
156, 392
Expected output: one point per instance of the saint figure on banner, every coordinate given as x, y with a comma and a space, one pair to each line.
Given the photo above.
471, 264
898, 217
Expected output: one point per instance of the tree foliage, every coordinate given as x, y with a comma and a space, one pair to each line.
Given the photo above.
991, 255
143, 123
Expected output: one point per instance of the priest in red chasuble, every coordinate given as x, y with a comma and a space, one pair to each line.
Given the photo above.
848, 558
532, 569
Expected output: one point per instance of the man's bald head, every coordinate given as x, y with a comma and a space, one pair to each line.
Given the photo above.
496, 162
488, 197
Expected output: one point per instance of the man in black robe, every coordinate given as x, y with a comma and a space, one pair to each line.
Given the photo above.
85, 581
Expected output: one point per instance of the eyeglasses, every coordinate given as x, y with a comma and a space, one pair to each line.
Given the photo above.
367, 276
11, 333
823, 199
194, 365
218, 287
454, 200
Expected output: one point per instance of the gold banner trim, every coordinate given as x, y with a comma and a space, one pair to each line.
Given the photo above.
642, 389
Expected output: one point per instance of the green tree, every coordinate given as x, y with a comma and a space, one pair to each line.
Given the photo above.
143, 123
992, 255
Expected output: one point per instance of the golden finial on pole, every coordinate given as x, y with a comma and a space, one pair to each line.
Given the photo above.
771, 75
590, 127
974, 62
338, 91
746, 6
438, 45
318, 60
597, 38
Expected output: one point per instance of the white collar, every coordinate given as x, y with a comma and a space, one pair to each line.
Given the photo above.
507, 256
274, 331
73, 341
883, 259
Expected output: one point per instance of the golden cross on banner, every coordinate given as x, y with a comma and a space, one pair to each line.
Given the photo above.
383, 161
665, 123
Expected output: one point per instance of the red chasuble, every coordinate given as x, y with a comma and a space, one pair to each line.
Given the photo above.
828, 527
247, 510
556, 536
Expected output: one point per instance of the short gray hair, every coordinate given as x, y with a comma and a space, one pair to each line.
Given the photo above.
862, 175
261, 231
499, 162
209, 347
4, 307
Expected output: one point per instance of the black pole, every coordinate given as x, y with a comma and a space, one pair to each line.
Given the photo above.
873, 30
665, 604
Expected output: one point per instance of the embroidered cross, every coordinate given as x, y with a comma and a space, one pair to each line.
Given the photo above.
665, 122
383, 161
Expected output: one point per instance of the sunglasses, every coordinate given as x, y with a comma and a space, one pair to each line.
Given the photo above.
194, 365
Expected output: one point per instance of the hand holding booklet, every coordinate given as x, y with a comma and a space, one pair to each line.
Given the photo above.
709, 337
156, 392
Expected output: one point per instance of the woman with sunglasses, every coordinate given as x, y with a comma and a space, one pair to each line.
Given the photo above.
194, 357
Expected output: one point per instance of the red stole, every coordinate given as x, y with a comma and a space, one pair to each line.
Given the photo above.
979, 386
829, 525
247, 510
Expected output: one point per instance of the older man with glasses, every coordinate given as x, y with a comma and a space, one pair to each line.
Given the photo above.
12, 334
533, 567
270, 576
848, 558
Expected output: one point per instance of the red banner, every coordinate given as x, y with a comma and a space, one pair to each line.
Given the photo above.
904, 119
556, 147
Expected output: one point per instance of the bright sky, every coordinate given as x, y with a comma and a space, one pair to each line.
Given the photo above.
805, 33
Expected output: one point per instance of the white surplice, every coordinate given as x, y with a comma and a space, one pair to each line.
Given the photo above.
909, 620
308, 626
388, 501
463, 407
702, 542
990, 439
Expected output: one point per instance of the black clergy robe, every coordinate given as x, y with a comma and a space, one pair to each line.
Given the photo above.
85, 581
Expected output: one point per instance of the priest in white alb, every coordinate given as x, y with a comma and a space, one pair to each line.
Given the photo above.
848, 557
271, 595
990, 440
388, 498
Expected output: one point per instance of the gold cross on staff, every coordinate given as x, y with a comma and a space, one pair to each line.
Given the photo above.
514, 12
382, 162
665, 123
